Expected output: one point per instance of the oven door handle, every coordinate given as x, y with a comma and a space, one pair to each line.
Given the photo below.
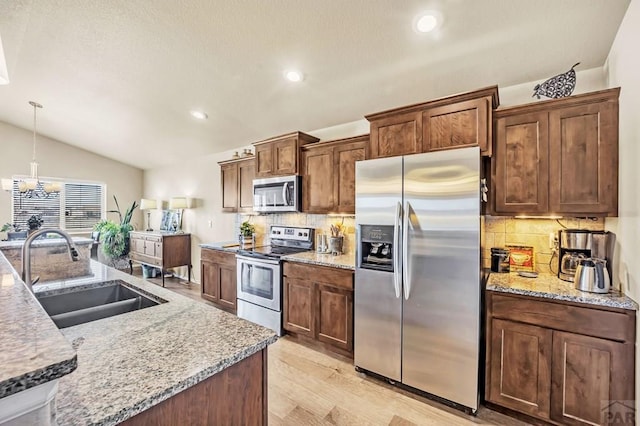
255, 260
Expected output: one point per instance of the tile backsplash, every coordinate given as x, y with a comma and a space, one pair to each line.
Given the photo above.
500, 231
319, 222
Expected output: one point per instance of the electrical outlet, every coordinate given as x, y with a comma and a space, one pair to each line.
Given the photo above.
210, 223
553, 240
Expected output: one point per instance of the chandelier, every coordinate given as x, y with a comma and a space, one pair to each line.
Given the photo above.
33, 187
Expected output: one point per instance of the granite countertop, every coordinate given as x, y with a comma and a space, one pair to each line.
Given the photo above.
551, 287
229, 246
43, 242
344, 261
131, 362
33, 349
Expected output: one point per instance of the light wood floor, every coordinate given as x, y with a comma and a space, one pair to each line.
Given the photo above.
307, 387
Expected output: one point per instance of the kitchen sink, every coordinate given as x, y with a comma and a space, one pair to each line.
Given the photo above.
75, 307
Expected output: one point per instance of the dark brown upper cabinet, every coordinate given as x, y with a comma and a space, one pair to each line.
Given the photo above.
236, 178
329, 174
279, 156
557, 157
453, 122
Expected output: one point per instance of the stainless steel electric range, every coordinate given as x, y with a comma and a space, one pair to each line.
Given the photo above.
260, 275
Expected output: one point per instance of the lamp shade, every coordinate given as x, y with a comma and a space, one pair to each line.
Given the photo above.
178, 203
146, 204
7, 184
4, 75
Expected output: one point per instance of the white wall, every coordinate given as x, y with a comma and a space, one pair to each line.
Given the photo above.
60, 160
623, 68
198, 179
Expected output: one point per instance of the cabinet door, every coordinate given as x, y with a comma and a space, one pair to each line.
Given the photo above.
150, 249
318, 180
229, 178
457, 126
396, 135
227, 289
335, 316
285, 157
591, 379
345, 158
299, 306
136, 245
246, 174
520, 358
521, 164
584, 159
210, 280
264, 160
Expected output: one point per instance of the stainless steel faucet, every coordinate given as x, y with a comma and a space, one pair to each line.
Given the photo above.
26, 253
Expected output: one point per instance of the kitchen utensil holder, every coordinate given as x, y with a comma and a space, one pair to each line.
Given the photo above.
335, 245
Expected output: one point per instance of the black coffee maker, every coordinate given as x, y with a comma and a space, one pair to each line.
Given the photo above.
578, 244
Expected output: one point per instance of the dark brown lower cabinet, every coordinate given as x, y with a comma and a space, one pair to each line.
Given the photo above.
234, 396
318, 306
560, 362
218, 278
588, 374
520, 367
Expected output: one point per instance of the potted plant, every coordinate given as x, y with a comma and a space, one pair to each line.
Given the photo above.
34, 223
247, 230
114, 236
13, 231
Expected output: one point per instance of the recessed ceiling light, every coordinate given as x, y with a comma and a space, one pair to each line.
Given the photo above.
294, 76
199, 115
426, 23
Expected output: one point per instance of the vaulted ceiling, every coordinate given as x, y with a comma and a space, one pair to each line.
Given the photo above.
119, 77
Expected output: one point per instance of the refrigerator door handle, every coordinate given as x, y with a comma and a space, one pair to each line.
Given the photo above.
406, 275
396, 250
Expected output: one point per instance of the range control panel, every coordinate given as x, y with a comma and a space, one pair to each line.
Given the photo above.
291, 233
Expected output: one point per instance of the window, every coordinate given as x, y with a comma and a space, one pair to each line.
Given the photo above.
78, 207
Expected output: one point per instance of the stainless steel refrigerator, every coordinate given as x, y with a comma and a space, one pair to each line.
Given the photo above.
417, 278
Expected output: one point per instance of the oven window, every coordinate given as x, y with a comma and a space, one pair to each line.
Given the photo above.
257, 280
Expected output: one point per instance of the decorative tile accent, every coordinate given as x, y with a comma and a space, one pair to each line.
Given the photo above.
500, 231
319, 222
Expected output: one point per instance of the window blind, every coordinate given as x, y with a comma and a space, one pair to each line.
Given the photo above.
24, 208
82, 205
78, 207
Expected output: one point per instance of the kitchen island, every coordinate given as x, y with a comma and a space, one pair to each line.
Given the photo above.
179, 361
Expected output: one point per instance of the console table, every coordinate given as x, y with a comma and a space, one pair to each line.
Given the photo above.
161, 249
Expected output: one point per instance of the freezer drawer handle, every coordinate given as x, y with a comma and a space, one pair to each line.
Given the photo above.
396, 250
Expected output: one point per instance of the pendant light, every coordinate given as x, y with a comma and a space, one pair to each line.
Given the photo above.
33, 187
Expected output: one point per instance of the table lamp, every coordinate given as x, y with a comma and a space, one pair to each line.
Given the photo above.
178, 203
148, 205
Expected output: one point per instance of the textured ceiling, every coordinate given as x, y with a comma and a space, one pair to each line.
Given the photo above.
119, 77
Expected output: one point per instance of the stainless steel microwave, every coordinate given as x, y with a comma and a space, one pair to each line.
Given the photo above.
277, 194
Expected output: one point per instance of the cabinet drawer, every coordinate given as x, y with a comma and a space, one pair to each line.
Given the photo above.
145, 259
581, 320
146, 237
217, 256
331, 276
